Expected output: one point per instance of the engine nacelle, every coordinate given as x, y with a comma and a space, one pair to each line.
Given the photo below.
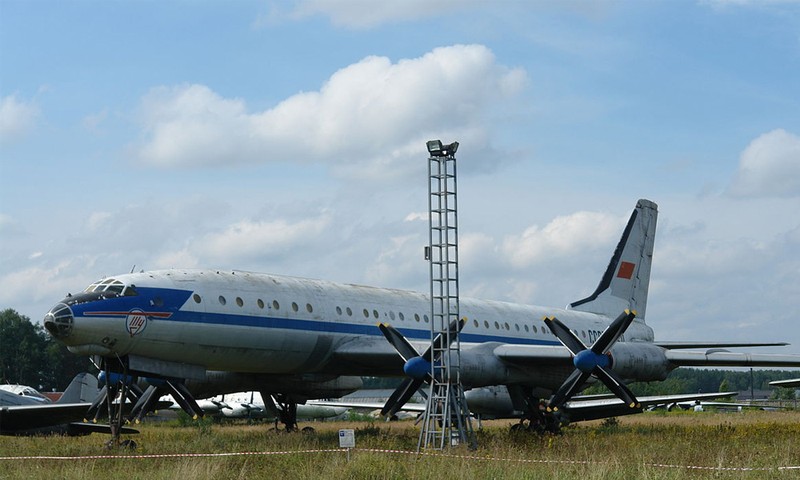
639, 362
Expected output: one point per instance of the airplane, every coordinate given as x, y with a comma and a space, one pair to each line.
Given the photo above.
495, 402
25, 411
251, 406
179, 324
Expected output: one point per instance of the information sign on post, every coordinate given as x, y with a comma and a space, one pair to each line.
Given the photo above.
347, 439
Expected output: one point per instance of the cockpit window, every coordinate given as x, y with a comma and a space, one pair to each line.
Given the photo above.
112, 285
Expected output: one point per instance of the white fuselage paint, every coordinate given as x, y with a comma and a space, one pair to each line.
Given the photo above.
248, 322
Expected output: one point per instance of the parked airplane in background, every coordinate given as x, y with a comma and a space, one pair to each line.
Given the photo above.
178, 324
251, 405
25, 411
495, 402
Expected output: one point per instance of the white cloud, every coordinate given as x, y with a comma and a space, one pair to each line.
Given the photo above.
391, 107
363, 14
17, 118
251, 239
564, 236
176, 259
769, 167
37, 283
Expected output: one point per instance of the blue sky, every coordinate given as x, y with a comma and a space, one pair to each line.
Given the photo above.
289, 137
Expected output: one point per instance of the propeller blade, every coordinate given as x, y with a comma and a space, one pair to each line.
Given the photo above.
399, 342
144, 404
616, 385
98, 400
565, 335
592, 361
416, 366
136, 390
611, 334
400, 396
184, 399
452, 332
568, 389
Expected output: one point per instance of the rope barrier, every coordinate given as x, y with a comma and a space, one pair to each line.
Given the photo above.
401, 452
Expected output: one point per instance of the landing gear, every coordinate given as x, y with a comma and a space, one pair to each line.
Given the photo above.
117, 386
121, 391
536, 417
284, 408
541, 423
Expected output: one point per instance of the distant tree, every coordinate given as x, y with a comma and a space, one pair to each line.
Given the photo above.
22, 350
29, 356
724, 386
62, 366
780, 393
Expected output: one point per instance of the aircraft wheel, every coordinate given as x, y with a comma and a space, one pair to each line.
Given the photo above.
308, 431
128, 444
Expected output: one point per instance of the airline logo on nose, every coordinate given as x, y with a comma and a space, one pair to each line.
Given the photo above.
135, 322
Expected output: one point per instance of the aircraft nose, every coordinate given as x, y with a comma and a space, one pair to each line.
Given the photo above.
58, 321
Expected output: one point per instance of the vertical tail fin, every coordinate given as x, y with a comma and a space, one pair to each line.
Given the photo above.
627, 278
82, 388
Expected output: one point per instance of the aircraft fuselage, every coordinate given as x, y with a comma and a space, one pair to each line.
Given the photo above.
259, 323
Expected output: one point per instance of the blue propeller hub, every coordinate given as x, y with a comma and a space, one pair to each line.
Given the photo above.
417, 368
587, 360
114, 377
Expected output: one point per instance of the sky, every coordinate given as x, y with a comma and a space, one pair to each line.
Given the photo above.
289, 138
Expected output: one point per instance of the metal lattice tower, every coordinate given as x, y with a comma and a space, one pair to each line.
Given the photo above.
447, 421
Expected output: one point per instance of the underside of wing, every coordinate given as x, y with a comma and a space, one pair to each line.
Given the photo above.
531, 355
366, 358
593, 409
794, 382
709, 345
27, 417
717, 358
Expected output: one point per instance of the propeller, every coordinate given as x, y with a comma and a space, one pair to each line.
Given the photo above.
592, 361
417, 367
159, 387
111, 383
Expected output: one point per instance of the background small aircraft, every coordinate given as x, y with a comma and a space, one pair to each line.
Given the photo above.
251, 405
25, 411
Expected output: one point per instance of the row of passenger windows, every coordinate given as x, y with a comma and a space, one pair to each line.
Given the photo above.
275, 305
417, 317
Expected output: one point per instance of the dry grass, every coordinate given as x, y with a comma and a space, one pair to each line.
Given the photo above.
636, 447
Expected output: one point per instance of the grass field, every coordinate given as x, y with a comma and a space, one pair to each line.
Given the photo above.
646, 446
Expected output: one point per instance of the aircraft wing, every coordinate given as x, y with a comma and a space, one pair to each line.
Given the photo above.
19, 418
533, 354
794, 382
581, 410
714, 357
717, 358
366, 357
408, 407
682, 345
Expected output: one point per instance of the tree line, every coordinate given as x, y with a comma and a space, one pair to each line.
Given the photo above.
29, 356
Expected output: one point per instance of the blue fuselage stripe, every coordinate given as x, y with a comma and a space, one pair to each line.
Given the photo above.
171, 300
